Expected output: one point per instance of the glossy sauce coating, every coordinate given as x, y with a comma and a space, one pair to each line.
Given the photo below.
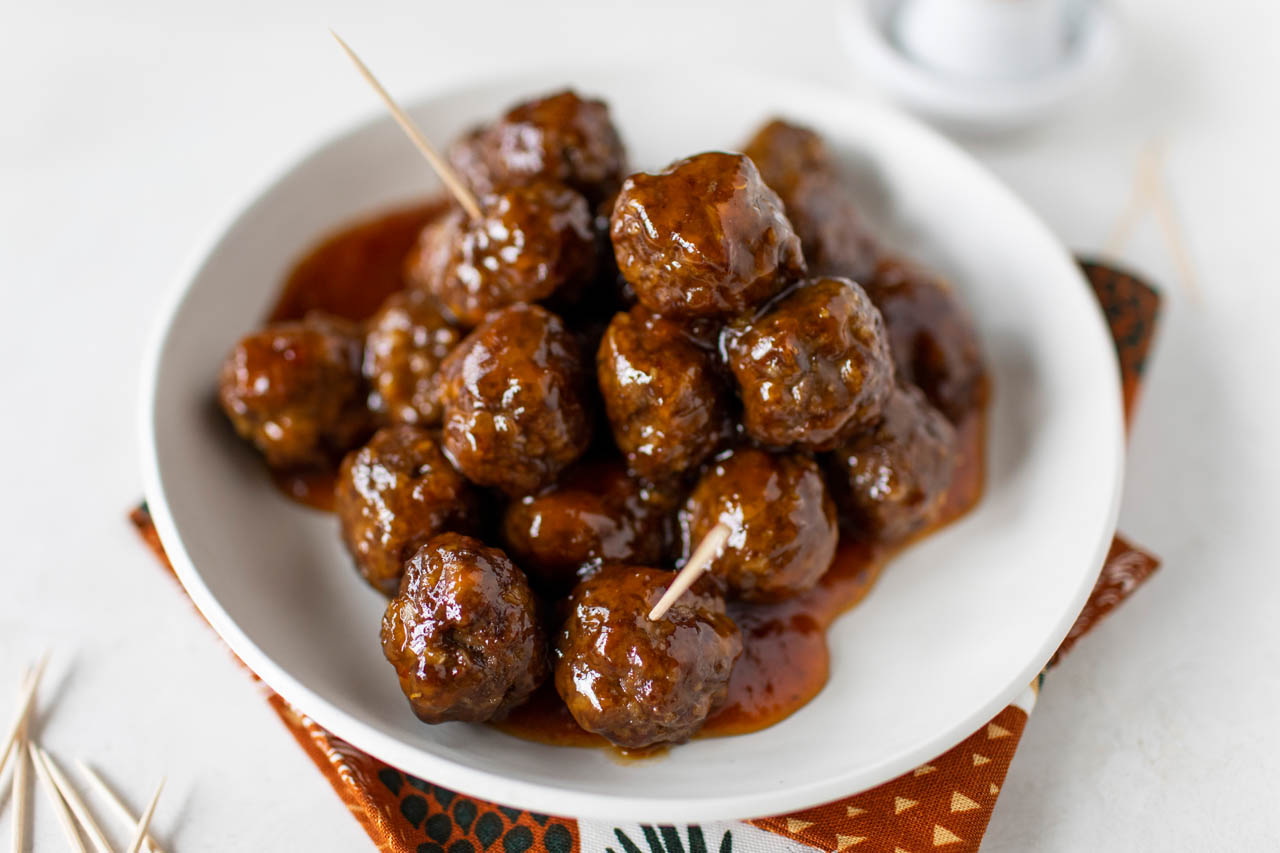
891, 481
393, 495
782, 522
516, 405
666, 399
407, 340
934, 340
596, 514
561, 137
638, 682
795, 162
463, 632
295, 391
532, 242
703, 238
814, 368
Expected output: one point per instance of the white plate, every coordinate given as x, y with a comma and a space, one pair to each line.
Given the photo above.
955, 629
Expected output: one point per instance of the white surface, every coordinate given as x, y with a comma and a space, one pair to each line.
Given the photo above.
977, 609
128, 130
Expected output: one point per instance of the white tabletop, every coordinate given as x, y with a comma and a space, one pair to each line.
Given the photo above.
130, 127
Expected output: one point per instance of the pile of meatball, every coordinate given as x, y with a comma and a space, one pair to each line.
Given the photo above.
575, 388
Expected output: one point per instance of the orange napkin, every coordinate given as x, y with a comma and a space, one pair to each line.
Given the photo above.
943, 805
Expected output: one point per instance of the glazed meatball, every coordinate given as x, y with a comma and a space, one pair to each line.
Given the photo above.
795, 163
516, 405
394, 494
533, 242
595, 515
406, 342
295, 391
641, 683
813, 369
933, 338
463, 632
561, 137
891, 482
705, 238
667, 403
782, 523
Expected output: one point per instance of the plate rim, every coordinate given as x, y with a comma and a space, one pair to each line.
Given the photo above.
487, 785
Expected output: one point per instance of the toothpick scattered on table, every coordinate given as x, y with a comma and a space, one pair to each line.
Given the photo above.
117, 805
20, 785
26, 697
145, 822
55, 798
698, 563
442, 168
74, 801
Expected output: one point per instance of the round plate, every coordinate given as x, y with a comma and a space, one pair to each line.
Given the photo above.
958, 625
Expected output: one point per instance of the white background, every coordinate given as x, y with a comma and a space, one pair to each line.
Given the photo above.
127, 129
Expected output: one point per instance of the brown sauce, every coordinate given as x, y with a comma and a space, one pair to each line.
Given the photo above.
785, 658
352, 271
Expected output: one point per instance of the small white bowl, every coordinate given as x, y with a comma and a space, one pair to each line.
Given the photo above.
956, 628
966, 104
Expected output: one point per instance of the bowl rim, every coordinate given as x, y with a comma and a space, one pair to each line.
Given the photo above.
534, 796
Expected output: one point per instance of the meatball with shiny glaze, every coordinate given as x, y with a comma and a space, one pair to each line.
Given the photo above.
406, 342
704, 238
782, 523
394, 494
667, 403
463, 632
295, 391
516, 405
641, 683
795, 162
595, 515
561, 137
814, 368
533, 242
932, 336
892, 482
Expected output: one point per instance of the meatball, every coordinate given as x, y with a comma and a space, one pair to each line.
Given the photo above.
595, 515
795, 163
463, 632
406, 342
782, 523
667, 404
641, 683
892, 482
932, 336
814, 368
533, 242
705, 238
560, 137
295, 391
516, 406
394, 494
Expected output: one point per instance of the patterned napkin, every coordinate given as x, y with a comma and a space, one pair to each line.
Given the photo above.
942, 805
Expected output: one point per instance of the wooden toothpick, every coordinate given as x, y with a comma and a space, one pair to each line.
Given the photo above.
74, 801
20, 785
698, 563
442, 168
56, 799
117, 805
26, 697
141, 835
